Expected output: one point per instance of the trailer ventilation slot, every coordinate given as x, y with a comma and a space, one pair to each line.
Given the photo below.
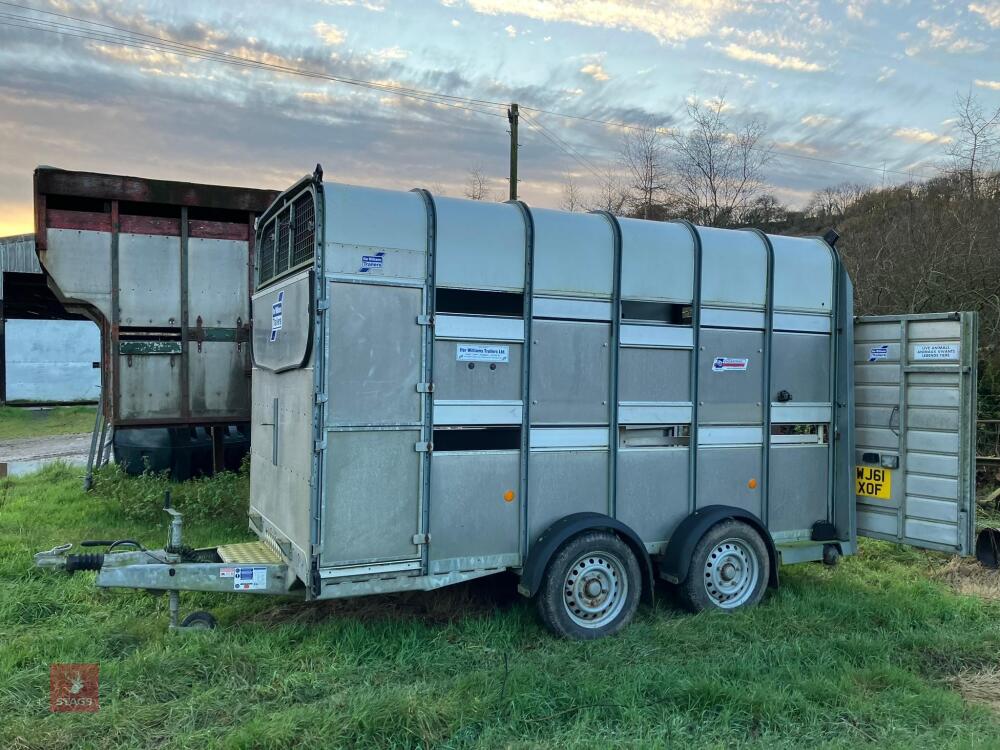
477, 302
477, 439
656, 312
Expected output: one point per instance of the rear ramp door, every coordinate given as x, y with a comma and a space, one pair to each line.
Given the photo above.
915, 417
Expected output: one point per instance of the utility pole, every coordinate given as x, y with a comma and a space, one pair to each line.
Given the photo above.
512, 118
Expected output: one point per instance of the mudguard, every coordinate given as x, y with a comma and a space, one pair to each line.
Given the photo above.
674, 564
570, 526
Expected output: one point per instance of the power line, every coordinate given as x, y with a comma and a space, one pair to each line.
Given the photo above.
562, 145
118, 35
137, 40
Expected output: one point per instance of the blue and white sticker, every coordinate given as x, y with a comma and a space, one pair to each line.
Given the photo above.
878, 352
276, 315
730, 364
369, 262
482, 353
246, 579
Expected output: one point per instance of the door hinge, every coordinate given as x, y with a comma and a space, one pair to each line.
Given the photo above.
423, 447
425, 388
421, 539
425, 320
323, 304
321, 398
319, 445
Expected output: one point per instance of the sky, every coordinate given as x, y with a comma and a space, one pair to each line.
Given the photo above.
864, 82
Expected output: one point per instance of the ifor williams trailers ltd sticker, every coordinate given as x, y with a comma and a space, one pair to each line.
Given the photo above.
730, 364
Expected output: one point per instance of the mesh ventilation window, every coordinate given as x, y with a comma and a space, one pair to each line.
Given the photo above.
281, 252
265, 255
305, 229
289, 239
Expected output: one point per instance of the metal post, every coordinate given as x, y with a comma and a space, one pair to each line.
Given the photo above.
512, 116
3, 348
175, 609
218, 448
88, 479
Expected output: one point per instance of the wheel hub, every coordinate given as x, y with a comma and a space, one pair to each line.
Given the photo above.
731, 573
595, 590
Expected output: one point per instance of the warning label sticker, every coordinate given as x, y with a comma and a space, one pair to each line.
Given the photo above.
482, 353
730, 364
878, 352
936, 352
276, 315
249, 579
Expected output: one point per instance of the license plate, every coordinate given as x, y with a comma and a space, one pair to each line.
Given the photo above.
873, 482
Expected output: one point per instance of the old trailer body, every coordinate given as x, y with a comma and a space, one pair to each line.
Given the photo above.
163, 268
444, 389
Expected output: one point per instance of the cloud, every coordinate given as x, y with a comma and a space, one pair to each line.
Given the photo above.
596, 71
771, 59
329, 33
916, 135
943, 37
389, 53
819, 121
760, 38
373, 6
511, 30
995, 85
855, 11
456, 23
885, 73
668, 22
990, 11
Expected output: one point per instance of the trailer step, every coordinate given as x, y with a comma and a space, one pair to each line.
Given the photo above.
249, 552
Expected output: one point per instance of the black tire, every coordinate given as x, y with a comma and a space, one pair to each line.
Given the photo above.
200, 621
597, 562
831, 555
729, 569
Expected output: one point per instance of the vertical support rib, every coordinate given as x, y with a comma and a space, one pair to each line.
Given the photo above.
185, 332
616, 325
427, 369
695, 354
529, 261
765, 485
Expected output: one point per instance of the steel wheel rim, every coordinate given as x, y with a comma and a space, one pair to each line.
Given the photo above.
731, 573
595, 589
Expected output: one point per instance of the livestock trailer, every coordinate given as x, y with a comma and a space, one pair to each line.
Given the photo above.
164, 269
445, 389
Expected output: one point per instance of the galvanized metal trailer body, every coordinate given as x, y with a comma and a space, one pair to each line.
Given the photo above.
444, 380
445, 389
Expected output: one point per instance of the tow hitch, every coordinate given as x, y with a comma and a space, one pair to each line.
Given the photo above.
252, 568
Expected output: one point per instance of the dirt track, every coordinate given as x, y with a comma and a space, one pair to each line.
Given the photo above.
72, 448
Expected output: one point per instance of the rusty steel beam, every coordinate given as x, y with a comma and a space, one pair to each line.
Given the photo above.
49, 182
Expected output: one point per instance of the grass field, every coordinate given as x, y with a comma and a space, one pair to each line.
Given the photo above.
23, 422
872, 653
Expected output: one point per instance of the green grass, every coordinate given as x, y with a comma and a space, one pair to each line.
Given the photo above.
24, 422
859, 655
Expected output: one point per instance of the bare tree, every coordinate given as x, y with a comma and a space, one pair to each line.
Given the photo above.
764, 209
975, 151
644, 157
572, 197
835, 201
477, 185
612, 194
718, 169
